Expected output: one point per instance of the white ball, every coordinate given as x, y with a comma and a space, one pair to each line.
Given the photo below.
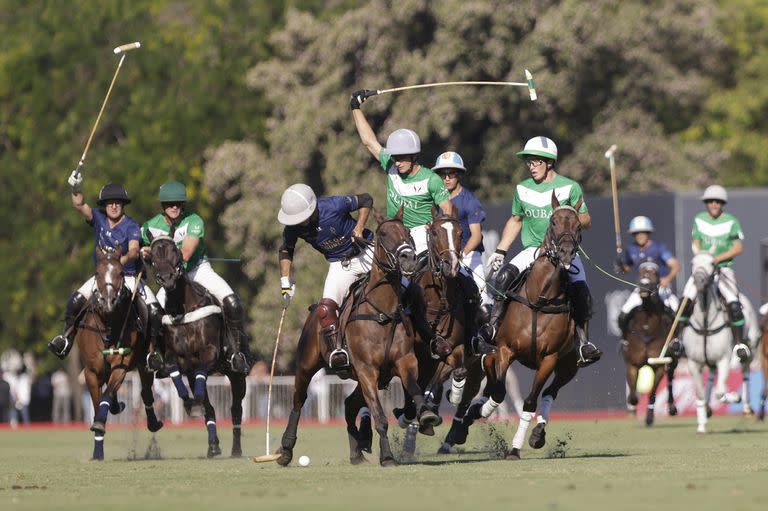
304, 461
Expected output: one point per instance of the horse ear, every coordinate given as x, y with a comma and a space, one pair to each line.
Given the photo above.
378, 216
555, 202
578, 204
399, 214
118, 252
435, 212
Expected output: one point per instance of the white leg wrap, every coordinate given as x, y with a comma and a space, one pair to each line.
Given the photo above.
457, 391
365, 412
701, 415
522, 429
544, 409
488, 407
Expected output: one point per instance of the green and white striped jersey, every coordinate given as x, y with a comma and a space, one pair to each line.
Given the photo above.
717, 235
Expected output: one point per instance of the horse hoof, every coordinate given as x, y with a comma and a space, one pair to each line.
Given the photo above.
97, 459
286, 455
213, 450
761, 416
709, 411
154, 427
649, 420
427, 430
236, 453
98, 427
513, 455
429, 418
388, 462
444, 449
358, 460
748, 412
537, 439
672, 410
116, 407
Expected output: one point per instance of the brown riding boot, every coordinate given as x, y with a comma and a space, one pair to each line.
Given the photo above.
328, 312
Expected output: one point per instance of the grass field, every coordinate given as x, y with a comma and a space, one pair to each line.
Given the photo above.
606, 464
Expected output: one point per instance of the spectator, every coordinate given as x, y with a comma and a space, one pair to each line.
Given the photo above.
5, 399
41, 403
62, 396
23, 392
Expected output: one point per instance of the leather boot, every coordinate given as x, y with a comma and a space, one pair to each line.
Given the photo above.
328, 312
582, 309
154, 357
62, 343
237, 342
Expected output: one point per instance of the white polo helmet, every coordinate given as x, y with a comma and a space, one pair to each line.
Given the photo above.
640, 224
449, 160
715, 192
297, 204
403, 142
540, 146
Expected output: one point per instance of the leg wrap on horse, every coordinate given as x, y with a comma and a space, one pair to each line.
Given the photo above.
62, 344
736, 317
236, 337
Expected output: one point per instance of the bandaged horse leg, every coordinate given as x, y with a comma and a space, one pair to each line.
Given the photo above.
153, 424
582, 308
238, 384
210, 424
438, 346
236, 337
721, 382
201, 377
736, 317
701, 416
701, 395
62, 343
328, 312
670, 369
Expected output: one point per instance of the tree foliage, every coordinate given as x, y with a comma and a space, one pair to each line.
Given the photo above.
633, 73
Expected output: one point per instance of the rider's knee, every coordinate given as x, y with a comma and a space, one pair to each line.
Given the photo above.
327, 311
233, 307
506, 276
735, 312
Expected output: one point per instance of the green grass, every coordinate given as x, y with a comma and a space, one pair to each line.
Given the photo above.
609, 464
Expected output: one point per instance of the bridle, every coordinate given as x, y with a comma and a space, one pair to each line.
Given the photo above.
177, 269
646, 286
553, 241
391, 262
437, 261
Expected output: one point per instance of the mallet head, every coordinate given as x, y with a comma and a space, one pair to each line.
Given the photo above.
611, 151
127, 47
531, 86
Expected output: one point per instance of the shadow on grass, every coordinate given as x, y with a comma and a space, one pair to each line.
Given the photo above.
491, 457
738, 431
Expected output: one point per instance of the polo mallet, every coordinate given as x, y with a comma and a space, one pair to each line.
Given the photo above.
662, 359
272, 457
528, 84
615, 193
119, 50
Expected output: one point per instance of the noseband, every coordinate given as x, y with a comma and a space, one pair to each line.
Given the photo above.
436, 259
177, 269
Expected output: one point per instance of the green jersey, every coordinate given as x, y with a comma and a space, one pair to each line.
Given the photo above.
188, 224
417, 192
717, 235
533, 203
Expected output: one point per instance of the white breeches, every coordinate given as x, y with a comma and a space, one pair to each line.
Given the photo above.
128, 281
419, 235
666, 295
204, 275
472, 264
525, 258
342, 275
726, 284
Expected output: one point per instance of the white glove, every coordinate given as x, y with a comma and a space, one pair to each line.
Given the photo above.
287, 289
495, 261
75, 180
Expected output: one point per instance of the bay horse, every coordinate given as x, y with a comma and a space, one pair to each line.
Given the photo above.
764, 364
380, 340
708, 341
111, 343
647, 331
194, 330
537, 330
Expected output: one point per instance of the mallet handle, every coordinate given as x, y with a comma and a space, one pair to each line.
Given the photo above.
441, 84
615, 193
272, 371
671, 332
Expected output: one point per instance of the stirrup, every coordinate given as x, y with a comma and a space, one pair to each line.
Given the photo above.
239, 363
439, 347
341, 355
588, 358
742, 351
481, 347
55, 346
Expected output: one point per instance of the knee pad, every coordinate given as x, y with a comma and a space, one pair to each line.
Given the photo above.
506, 276
735, 312
328, 312
233, 308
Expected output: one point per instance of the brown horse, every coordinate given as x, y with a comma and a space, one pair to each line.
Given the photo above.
647, 330
193, 332
537, 330
764, 349
379, 336
111, 343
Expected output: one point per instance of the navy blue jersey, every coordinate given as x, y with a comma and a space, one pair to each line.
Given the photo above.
126, 230
470, 212
332, 234
655, 251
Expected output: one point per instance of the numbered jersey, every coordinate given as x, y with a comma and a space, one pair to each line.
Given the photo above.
188, 224
717, 235
417, 192
533, 203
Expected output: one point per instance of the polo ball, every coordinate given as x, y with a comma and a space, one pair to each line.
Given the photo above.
645, 378
304, 461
